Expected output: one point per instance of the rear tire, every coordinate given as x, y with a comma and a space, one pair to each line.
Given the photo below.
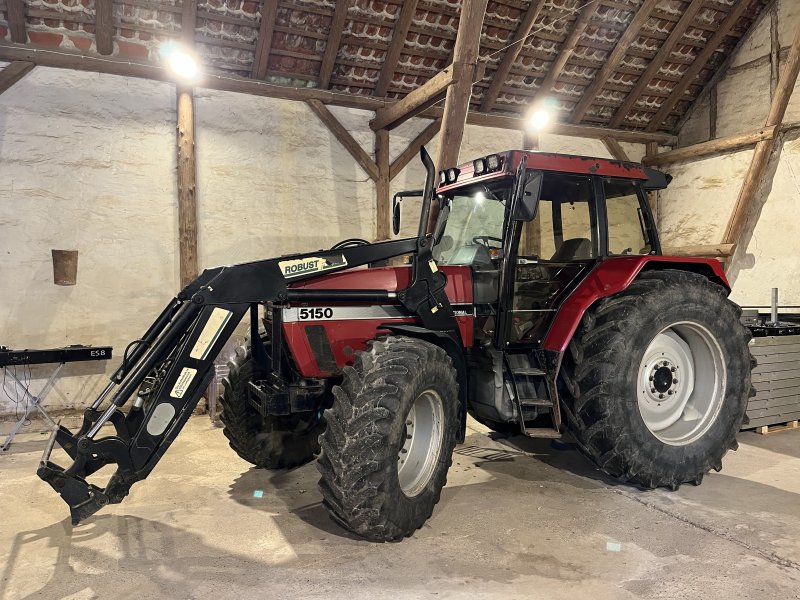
270, 442
390, 438
656, 380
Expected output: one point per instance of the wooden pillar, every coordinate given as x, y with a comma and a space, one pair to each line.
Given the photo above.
651, 149
382, 216
530, 140
758, 166
104, 26
456, 103
187, 196
15, 14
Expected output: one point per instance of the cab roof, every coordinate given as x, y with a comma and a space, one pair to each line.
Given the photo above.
560, 163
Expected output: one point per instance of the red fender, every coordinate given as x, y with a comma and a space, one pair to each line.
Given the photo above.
612, 276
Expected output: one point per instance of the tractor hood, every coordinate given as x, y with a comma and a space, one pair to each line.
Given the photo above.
392, 279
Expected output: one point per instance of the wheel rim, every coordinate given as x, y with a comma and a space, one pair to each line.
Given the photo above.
681, 383
422, 443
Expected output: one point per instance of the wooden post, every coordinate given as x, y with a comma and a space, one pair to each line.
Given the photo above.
758, 166
382, 216
458, 95
187, 197
16, 21
651, 151
104, 26
774, 52
530, 139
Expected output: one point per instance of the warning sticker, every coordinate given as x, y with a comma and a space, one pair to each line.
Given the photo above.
218, 319
310, 264
184, 380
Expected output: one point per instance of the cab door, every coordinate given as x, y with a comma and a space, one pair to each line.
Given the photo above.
549, 255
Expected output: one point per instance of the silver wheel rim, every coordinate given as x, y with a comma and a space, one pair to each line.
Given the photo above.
681, 384
422, 443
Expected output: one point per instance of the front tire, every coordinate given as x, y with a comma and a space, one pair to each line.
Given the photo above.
656, 380
390, 438
271, 442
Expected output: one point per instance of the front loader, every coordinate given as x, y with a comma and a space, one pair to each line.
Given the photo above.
534, 298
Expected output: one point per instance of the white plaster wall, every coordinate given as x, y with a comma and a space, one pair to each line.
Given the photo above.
696, 206
86, 163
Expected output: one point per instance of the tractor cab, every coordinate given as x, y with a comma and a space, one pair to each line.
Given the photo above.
532, 225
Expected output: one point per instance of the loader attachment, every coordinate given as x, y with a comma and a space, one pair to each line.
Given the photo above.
169, 368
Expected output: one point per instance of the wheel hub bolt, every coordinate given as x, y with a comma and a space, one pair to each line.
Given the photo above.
403, 451
661, 395
652, 390
670, 392
673, 369
408, 437
674, 381
651, 378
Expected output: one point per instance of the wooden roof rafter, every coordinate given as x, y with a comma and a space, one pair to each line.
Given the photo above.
614, 58
266, 29
700, 61
401, 26
334, 40
515, 46
658, 61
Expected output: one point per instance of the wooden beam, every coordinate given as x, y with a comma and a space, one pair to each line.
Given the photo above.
566, 129
81, 61
731, 142
382, 216
774, 51
614, 148
456, 105
12, 73
332, 45
758, 166
16, 20
104, 26
651, 151
530, 139
399, 35
515, 47
344, 138
700, 61
418, 100
266, 29
188, 22
567, 48
613, 59
412, 150
658, 61
712, 113
187, 189
703, 251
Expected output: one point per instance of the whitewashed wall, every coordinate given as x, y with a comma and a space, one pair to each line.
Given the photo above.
696, 207
87, 162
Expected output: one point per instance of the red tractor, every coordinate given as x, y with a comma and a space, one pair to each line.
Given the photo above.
534, 298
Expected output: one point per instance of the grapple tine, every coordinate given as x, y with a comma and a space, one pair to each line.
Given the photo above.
83, 498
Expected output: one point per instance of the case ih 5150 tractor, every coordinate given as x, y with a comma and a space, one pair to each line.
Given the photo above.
536, 299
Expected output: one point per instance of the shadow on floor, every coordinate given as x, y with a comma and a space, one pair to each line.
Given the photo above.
293, 491
782, 442
143, 555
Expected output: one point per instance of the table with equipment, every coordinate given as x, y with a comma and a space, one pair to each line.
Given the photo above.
58, 356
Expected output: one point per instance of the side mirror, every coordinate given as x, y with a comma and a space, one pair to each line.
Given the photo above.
396, 213
528, 197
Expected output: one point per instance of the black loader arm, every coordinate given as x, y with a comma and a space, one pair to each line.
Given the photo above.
176, 354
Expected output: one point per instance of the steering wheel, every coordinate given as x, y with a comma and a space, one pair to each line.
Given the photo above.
485, 240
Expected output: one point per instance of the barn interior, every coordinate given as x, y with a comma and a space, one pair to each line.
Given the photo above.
143, 142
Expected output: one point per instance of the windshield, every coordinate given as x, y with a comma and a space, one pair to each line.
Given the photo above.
472, 218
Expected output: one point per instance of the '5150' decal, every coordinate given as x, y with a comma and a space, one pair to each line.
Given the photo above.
315, 314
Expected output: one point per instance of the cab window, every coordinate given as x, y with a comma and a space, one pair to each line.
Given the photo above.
562, 230
625, 216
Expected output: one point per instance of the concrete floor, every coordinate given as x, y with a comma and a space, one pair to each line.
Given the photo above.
519, 519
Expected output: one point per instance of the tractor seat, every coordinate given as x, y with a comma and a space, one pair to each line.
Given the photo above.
573, 249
